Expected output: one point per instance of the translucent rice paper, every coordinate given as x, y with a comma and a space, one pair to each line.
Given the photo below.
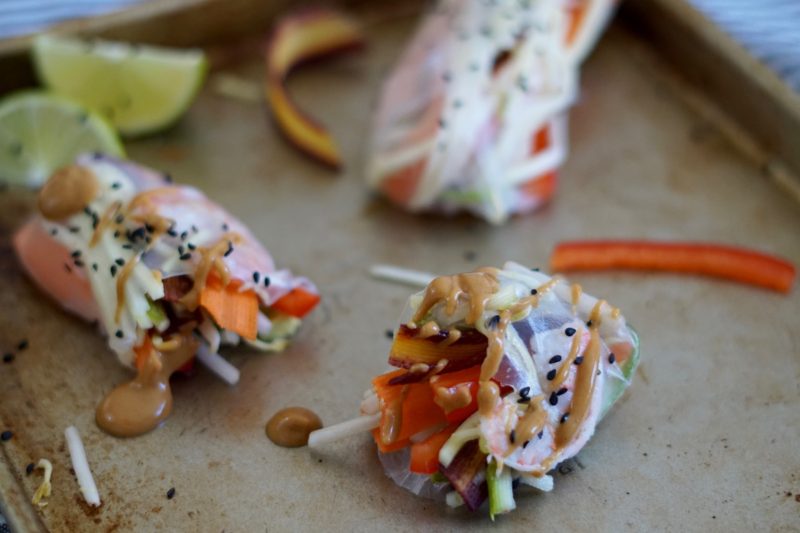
473, 117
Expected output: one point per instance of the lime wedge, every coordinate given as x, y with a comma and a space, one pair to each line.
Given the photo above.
139, 89
40, 132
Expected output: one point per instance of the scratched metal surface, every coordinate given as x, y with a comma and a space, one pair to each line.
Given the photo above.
706, 439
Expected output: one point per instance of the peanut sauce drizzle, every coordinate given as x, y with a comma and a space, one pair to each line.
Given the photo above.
429, 329
585, 383
140, 405
530, 424
576, 297
210, 258
122, 279
392, 419
105, 221
563, 370
452, 336
452, 398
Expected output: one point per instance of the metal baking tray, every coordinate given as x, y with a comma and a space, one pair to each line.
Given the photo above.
706, 438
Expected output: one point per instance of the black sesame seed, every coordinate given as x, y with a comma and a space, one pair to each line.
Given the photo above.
29, 468
553, 398
116, 185
184, 234
525, 444
493, 322
562, 391
525, 392
94, 267
118, 334
564, 417
555, 359
9, 357
120, 261
87, 210
171, 493
6, 435
22, 345
589, 324
611, 358
266, 281
185, 257
116, 234
78, 263
194, 228
76, 253
224, 227
74, 229
172, 233
127, 246
95, 221
534, 292
551, 375
180, 250
138, 233
389, 334
149, 228
256, 277
229, 251
54, 232
512, 436
540, 434
578, 360
569, 332
113, 270
167, 177
191, 246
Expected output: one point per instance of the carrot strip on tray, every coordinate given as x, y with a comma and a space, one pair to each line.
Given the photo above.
717, 260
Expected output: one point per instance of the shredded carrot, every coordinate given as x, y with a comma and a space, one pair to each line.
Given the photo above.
298, 302
419, 411
728, 262
425, 454
232, 310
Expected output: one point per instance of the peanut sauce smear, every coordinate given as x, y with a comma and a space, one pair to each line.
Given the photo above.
549, 360
164, 271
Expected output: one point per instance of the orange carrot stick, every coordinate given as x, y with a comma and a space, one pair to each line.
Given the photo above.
728, 262
232, 310
425, 454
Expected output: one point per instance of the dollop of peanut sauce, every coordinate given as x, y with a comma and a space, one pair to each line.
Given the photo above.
290, 427
477, 288
140, 405
67, 192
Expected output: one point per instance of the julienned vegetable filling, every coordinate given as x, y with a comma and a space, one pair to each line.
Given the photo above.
502, 375
167, 274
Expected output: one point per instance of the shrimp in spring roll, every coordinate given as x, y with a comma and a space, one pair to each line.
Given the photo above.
474, 115
167, 274
503, 374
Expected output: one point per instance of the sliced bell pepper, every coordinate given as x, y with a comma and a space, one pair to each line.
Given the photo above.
425, 454
298, 302
468, 377
728, 262
299, 37
418, 412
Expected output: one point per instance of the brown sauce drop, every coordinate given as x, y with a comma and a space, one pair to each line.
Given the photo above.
67, 192
140, 405
453, 398
290, 427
